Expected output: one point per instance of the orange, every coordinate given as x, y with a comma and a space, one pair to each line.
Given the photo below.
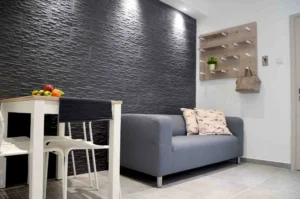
56, 93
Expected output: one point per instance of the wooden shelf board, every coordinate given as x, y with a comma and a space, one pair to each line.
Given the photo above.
213, 34
212, 47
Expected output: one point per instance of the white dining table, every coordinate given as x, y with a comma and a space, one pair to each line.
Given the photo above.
38, 106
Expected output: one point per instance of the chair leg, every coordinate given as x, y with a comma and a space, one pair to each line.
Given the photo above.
73, 161
46, 161
95, 169
89, 167
87, 154
159, 182
65, 179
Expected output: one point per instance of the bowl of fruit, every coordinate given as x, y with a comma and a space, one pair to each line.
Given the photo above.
49, 90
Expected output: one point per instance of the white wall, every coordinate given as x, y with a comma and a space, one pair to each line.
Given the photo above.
267, 114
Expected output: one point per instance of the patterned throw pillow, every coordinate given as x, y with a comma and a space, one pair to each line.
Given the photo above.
190, 121
211, 122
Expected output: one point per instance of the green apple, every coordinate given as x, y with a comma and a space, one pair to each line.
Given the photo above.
47, 93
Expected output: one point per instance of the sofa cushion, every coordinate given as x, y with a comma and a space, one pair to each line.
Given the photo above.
190, 121
199, 150
211, 122
178, 125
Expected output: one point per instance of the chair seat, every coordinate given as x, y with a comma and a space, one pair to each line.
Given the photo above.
15, 146
70, 145
56, 138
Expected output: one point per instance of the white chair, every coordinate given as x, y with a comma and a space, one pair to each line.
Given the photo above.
68, 138
61, 146
68, 145
21, 146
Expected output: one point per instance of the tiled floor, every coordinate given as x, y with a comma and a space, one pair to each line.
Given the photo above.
220, 181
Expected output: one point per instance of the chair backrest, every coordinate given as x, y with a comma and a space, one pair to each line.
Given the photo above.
82, 110
1, 129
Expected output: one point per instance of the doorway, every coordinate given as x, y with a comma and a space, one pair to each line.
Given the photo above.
295, 85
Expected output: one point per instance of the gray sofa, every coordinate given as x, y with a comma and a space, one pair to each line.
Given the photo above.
157, 145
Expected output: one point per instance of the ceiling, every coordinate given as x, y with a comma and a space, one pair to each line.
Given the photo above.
194, 8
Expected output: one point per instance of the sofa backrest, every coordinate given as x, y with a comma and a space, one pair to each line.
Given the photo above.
178, 125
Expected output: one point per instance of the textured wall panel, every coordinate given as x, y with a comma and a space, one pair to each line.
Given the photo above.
139, 51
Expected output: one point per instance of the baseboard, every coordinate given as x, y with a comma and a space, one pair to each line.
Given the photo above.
267, 163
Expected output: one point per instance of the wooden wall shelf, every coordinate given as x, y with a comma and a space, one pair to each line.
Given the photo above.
236, 50
214, 34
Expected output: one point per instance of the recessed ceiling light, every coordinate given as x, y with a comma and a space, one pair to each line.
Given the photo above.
184, 9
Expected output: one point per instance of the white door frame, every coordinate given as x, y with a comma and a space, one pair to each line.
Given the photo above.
294, 92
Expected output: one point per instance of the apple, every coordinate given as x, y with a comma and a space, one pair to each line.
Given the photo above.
47, 93
35, 92
48, 87
41, 92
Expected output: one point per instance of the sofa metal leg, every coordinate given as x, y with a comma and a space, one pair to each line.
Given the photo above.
159, 182
238, 160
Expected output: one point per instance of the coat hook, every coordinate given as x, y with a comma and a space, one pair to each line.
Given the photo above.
223, 58
201, 38
247, 54
201, 73
212, 72
247, 28
224, 71
235, 69
247, 68
235, 44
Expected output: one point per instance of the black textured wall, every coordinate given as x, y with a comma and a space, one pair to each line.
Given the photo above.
140, 51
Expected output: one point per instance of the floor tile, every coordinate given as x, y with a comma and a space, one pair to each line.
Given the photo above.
212, 188
267, 170
285, 181
163, 193
247, 174
128, 186
260, 193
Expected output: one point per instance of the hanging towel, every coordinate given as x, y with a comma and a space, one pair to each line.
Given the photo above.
80, 110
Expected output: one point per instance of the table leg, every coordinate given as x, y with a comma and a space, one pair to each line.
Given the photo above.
59, 163
114, 153
36, 155
3, 159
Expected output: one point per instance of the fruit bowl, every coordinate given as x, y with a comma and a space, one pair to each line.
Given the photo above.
49, 90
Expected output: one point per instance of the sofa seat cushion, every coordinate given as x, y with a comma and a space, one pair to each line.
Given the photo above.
195, 151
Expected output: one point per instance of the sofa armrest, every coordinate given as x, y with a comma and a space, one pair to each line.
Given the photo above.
146, 143
236, 127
